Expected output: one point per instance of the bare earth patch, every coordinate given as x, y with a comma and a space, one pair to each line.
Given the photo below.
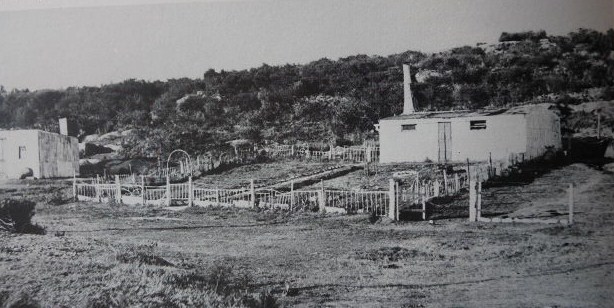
313, 260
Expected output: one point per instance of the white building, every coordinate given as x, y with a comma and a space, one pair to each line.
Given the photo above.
460, 135
47, 155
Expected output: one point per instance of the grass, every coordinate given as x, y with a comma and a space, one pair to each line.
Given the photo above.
263, 173
95, 255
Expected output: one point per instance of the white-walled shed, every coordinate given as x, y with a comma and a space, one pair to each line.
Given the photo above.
477, 135
48, 155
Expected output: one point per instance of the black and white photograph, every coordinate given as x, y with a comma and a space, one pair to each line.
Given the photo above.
314, 153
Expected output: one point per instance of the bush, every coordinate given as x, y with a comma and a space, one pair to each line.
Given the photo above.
16, 216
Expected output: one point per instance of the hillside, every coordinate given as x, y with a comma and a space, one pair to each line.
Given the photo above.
325, 100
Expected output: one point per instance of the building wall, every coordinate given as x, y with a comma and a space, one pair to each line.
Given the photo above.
59, 155
11, 164
504, 134
543, 131
47, 154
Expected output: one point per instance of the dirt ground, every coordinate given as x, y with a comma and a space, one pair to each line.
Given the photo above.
263, 174
314, 260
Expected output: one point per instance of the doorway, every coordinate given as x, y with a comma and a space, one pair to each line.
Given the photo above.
445, 141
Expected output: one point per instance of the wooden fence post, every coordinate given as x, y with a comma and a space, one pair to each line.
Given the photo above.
97, 188
291, 195
423, 199
570, 201
143, 189
168, 190
118, 192
322, 198
468, 170
478, 213
445, 182
252, 194
330, 152
74, 187
292, 150
217, 196
456, 183
397, 199
190, 192
392, 200
490, 171
472, 199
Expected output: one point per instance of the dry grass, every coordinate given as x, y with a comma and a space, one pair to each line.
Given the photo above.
219, 257
263, 173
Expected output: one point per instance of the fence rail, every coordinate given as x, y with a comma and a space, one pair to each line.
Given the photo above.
375, 202
412, 189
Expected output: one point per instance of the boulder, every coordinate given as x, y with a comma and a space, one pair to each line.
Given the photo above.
91, 138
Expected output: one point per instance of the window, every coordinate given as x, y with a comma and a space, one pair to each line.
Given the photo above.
408, 127
478, 124
22, 152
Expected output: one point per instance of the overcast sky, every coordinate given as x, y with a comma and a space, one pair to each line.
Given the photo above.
60, 43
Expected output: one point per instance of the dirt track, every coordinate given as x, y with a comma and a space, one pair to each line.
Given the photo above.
338, 260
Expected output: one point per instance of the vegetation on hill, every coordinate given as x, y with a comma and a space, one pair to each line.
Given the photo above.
325, 100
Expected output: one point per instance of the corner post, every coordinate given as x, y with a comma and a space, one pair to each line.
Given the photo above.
118, 191
392, 207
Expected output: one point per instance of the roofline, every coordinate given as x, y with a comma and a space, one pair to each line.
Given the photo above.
33, 130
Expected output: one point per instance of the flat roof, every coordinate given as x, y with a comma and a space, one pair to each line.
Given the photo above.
519, 110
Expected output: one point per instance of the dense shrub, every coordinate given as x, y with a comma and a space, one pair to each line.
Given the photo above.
16, 216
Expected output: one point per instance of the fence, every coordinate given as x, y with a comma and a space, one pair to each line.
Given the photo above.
561, 199
356, 154
550, 204
376, 202
406, 193
415, 189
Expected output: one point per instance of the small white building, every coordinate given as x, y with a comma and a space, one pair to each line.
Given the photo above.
47, 155
454, 136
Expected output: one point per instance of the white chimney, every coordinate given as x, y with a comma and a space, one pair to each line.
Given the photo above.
64, 126
408, 103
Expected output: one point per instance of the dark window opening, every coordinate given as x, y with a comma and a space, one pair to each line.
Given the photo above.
22, 152
478, 124
408, 127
